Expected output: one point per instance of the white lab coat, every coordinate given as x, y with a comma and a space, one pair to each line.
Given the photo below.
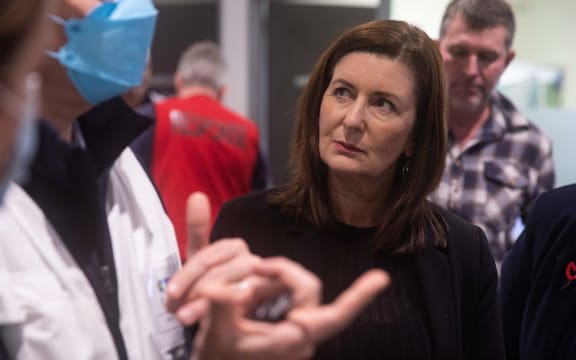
50, 310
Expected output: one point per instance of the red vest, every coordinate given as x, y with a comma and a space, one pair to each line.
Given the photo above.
201, 146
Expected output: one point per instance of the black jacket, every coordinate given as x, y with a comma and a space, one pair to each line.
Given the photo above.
537, 298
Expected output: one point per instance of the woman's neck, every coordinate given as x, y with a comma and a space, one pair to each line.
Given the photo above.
358, 202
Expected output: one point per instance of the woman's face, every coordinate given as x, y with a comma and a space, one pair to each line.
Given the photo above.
366, 116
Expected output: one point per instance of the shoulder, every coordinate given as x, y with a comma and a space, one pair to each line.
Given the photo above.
467, 244
19, 211
254, 219
247, 123
456, 226
226, 114
552, 219
558, 202
518, 124
253, 203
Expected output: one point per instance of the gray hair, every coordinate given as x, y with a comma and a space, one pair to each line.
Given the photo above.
202, 64
480, 15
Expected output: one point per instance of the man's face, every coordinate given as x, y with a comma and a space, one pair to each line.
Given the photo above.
474, 61
58, 91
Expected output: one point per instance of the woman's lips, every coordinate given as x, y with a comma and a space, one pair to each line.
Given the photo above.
347, 147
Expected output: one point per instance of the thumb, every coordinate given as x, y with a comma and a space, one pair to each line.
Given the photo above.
217, 334
198, 219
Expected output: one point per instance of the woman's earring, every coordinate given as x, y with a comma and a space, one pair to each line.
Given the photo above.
405, 168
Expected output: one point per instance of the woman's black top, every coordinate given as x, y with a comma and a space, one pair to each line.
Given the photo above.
394, 324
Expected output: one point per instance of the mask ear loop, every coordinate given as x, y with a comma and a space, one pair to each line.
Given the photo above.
58, 20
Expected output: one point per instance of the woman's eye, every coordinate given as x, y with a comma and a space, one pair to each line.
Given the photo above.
384, 104
342, 92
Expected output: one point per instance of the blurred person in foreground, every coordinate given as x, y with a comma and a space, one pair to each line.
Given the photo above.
85, 247
79, 245
498, 162
197, 143
369, 147
23, 36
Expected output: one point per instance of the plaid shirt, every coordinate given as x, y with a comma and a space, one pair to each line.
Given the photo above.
495, 177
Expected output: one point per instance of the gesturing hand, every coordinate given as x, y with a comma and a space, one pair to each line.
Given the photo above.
227, 333
221, 284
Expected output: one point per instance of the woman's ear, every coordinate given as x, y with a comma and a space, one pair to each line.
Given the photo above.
408, 148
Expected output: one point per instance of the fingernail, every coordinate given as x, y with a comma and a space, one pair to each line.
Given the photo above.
172, 288
185, 315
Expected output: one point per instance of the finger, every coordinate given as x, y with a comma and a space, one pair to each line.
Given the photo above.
216, 337
189, 313
230, 272
325, 321
306, 288
195, 267
278, 341
226, 336
198, 222
218, 293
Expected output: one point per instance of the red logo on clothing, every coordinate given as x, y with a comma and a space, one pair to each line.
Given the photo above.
570, 273
187, 123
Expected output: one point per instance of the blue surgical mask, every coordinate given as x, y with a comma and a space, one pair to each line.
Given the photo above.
25, 142
106, 51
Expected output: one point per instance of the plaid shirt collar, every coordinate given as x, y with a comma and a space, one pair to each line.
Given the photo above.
504, 117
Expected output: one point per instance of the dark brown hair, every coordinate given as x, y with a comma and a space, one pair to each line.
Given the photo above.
480, 15
306, 196
17, 19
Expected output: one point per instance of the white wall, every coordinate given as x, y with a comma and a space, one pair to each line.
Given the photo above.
546, 31
235, 39
426, 14
355, 3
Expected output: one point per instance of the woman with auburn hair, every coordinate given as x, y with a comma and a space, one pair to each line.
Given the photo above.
369, 147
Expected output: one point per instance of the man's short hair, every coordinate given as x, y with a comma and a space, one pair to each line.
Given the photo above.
202, 64
480, 15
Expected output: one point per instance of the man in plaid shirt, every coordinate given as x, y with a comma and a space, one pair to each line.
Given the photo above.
498, 161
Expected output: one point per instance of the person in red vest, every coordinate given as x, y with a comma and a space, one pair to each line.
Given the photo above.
197, 144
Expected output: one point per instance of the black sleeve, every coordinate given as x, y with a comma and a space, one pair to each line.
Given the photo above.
143, 145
